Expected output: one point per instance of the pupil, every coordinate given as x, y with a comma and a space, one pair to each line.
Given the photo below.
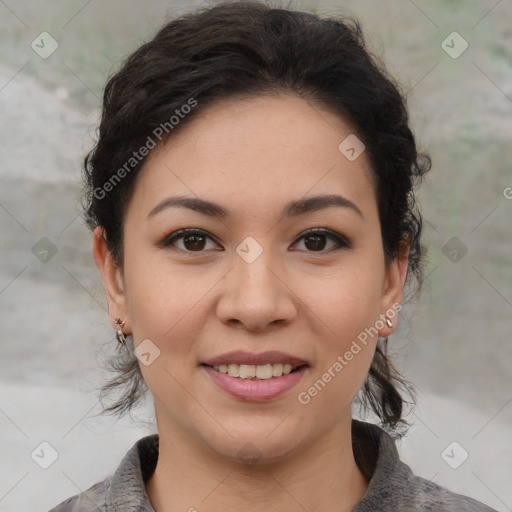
195, 239
316, 237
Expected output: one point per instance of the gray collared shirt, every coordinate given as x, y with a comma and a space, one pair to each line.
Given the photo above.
393, 487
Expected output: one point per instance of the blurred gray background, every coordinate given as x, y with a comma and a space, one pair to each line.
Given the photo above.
454, 341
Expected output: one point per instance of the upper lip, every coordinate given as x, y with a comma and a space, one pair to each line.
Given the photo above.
241, 357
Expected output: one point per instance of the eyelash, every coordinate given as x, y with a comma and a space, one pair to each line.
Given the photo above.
341, 241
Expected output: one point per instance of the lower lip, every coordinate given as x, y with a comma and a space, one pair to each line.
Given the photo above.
255, 390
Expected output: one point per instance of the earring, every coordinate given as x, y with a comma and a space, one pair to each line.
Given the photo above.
389, 323
120, 335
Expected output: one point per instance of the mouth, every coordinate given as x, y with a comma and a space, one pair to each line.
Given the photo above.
255, 382
243, 365
269, 371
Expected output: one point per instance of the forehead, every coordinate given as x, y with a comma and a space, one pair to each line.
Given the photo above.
256, 151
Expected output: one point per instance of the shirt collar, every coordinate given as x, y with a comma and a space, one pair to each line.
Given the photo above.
374, 451
127, 490
377, 457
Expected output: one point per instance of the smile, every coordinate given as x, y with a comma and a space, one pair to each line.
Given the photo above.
255, 383
256, 372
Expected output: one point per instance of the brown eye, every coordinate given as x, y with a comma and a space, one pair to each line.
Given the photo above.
314, 240
192, 240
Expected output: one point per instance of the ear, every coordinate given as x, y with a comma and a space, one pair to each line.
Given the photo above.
112, 279
393, 288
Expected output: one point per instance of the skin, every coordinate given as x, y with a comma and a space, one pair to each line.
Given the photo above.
196, 300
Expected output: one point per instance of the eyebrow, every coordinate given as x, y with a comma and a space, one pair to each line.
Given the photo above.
292, 209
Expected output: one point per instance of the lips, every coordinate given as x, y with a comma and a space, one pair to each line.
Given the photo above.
248, 358
254, 390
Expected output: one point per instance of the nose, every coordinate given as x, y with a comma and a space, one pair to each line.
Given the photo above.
256, 293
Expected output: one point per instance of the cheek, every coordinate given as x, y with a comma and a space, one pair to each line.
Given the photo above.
165, 307
346, 308
346, 301
157, 296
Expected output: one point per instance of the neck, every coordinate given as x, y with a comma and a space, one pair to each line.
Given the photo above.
190, 476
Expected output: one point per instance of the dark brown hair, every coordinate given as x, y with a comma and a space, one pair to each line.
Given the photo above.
249, 49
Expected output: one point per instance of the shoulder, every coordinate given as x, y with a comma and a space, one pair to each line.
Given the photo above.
426, 496
91, 500
123, 490
393, 487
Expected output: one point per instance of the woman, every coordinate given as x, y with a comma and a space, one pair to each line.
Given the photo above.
251, 195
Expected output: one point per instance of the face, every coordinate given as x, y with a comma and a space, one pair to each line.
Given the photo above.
308, 282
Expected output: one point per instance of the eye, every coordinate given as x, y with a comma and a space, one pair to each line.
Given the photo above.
316, 242
194, 240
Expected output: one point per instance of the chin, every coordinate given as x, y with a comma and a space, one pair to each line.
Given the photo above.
254, 445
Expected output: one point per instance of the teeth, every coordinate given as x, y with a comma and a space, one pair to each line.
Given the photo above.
264, 371
251, 371
247, 371
277, 370
234, 370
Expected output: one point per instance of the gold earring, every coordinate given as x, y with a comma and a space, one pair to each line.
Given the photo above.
120, 335
389, 323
